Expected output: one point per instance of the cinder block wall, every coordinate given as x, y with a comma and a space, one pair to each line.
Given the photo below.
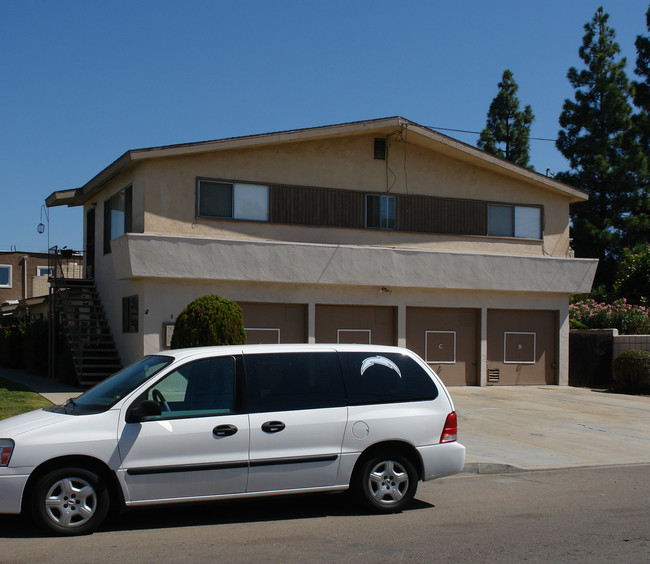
630, 343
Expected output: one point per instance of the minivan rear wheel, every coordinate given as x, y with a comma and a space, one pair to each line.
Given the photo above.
70, 501
387, 483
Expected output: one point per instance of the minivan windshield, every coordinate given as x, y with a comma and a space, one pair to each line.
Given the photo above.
108, 392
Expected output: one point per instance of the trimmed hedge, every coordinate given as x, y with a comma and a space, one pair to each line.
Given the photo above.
209, 320
632, 371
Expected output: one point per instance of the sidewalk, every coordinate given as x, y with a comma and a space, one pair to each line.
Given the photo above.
510, 428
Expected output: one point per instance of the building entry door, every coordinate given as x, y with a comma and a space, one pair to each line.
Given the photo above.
90, 243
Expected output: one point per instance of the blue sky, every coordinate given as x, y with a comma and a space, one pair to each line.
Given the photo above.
85, 81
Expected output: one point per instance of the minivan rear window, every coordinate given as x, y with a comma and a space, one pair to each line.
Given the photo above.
385, 378
288, 381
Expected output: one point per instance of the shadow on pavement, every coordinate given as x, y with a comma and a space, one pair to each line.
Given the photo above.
227, 512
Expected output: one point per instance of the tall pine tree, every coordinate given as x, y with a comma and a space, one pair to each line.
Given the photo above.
599, 142
638, 224
507, 130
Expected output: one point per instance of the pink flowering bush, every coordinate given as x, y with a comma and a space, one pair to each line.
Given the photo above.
627, 318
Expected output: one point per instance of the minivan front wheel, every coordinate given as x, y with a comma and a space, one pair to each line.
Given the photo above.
387, 483
70, 501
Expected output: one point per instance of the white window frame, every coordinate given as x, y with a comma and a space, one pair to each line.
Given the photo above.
387, 203
426, 347
518, 224
505, 347
10, 269
43, 271
240, 194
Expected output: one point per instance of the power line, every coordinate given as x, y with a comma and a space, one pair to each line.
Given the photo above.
478, 133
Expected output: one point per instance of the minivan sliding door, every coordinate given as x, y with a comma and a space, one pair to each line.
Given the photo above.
298, 414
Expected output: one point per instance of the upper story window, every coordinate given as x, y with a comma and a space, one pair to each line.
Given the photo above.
514, 221
43, 271
117, 216
5, 276
380, 211
226, 200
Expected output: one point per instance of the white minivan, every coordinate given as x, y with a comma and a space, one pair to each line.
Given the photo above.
223, 422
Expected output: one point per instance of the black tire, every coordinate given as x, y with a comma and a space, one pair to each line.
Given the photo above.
70, 501
387, 482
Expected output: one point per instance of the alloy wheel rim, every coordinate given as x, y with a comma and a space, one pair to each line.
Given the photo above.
388, 482
70, 502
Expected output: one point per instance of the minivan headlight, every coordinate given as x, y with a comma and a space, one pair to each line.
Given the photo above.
6, 448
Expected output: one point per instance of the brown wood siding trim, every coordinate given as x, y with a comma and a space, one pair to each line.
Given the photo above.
320, 207
423, 214
324, 207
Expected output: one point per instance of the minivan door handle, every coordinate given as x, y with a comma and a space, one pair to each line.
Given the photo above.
224, 430
273, 426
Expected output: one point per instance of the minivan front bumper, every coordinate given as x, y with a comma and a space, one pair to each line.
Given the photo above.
12, 487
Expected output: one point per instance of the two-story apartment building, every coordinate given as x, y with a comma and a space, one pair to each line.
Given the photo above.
379, 231
23, 276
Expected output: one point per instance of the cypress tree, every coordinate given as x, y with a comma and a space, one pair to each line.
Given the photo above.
642, 87
638, 223
507, 130
600, 144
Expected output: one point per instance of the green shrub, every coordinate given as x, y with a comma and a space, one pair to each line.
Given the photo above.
209, 320
627, 318
632, 371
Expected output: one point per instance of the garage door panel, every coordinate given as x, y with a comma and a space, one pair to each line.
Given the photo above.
269, 323
522, 347
355, 324
447, 339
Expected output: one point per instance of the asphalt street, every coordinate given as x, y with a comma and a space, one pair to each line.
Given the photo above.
595, 515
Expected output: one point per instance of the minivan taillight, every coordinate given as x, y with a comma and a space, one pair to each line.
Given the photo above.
450, 431
6, 448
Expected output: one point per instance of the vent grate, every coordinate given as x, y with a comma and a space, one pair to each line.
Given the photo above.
493, 375
380, 148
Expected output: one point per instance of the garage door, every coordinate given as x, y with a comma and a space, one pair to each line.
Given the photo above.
274, 323
447, 338
522, 347
355, 324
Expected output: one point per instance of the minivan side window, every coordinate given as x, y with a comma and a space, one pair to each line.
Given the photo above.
288, 382
198, 388
385, 378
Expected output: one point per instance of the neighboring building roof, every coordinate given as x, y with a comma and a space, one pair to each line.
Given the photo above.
417, 134
36, 254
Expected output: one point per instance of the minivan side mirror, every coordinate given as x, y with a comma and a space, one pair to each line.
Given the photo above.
138, 413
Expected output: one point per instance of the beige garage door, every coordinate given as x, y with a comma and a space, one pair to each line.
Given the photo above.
448, 340
522, 347
274, 323
355, 324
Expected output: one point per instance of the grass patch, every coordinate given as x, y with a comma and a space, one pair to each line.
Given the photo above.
16, 399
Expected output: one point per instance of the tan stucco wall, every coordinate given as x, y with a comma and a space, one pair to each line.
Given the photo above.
343, 163
164, 256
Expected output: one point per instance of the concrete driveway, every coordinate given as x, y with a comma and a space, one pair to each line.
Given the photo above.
541, 427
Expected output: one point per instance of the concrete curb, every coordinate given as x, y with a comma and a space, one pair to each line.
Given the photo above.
490, 468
